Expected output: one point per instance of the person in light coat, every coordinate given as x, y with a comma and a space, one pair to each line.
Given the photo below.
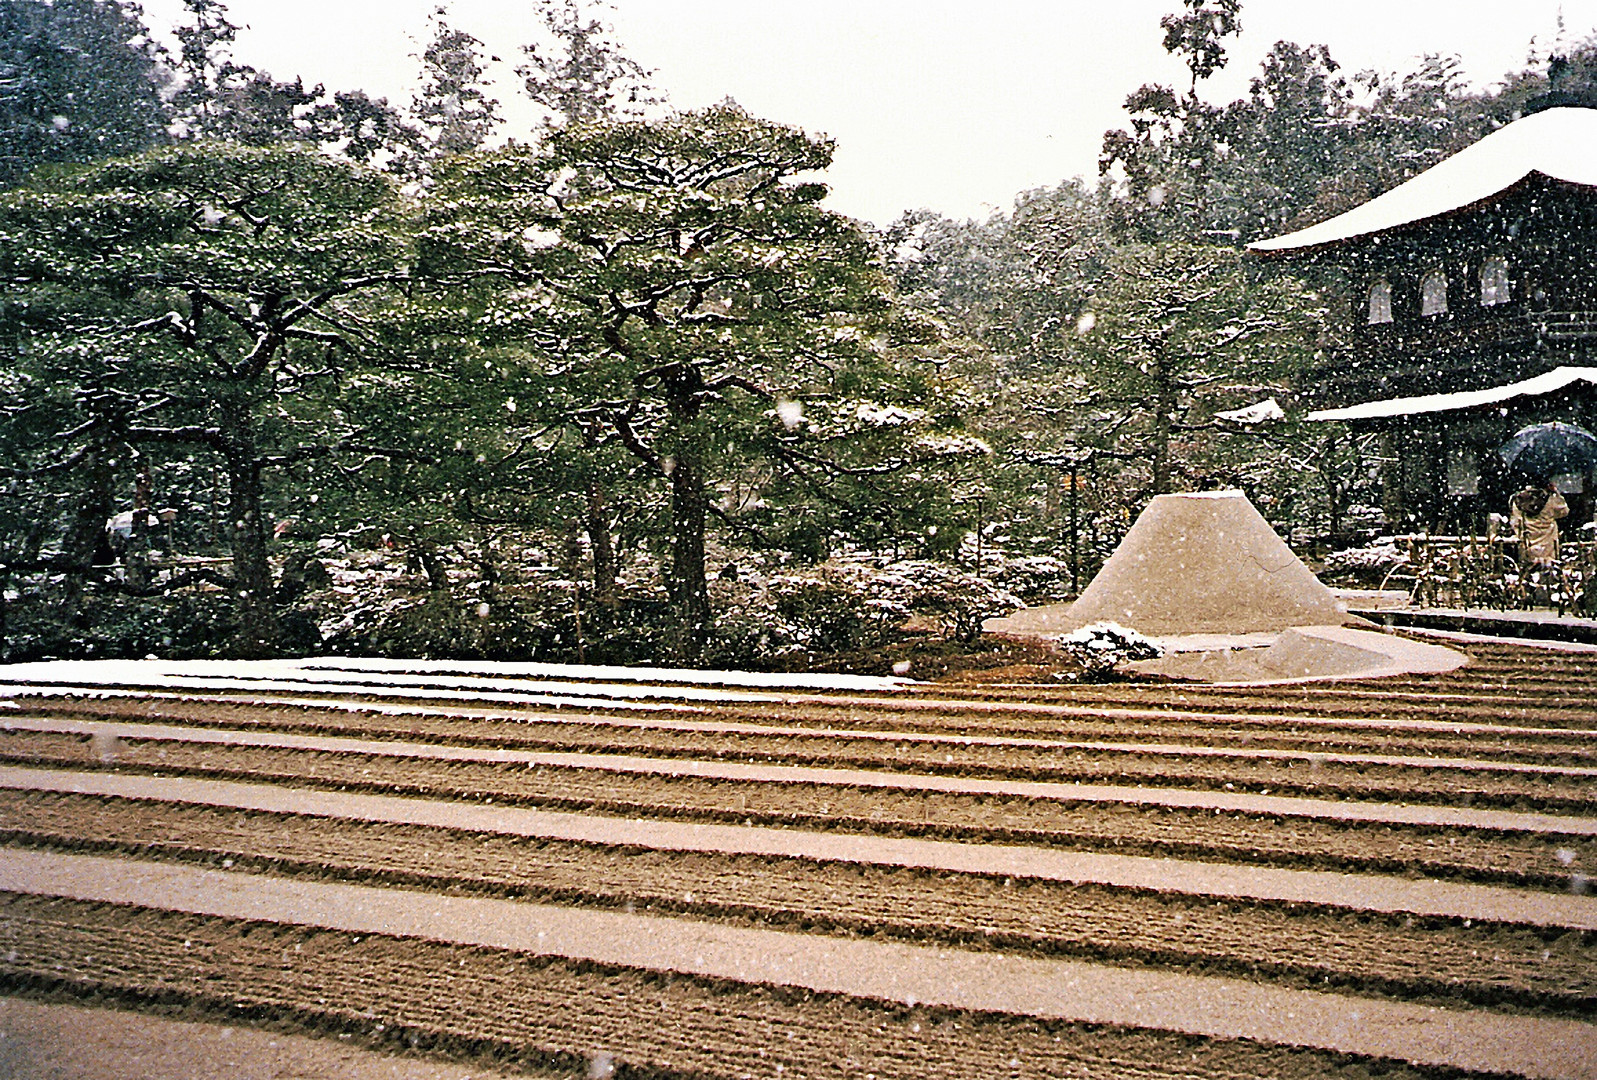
1534, 514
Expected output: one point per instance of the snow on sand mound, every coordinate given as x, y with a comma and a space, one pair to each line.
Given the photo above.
1206, 577
1194, 564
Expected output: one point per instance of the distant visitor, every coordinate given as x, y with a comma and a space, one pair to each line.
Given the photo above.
1534, 513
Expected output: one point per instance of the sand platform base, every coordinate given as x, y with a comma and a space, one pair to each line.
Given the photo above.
1300, 654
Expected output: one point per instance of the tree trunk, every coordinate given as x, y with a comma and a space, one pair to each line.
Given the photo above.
257, 634
424, 557
136, 558
690, 594
1164, 416
88, 531
603, 545
690, 500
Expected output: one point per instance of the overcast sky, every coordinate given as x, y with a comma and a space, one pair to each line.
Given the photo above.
956, 105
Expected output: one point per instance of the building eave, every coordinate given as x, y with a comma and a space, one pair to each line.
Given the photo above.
1557, 144
1462, 401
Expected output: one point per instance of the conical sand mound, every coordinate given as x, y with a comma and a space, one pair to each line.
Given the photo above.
1194, 564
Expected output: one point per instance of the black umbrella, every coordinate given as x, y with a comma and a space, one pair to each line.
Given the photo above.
1549, 449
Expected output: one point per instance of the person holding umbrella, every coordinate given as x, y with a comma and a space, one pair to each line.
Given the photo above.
1534, 513
1542, 451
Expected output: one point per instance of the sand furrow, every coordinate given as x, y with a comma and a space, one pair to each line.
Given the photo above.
1352, 891
1422, 814
984, 982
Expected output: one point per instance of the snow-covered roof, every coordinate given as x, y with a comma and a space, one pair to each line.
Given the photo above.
1260, 412
1554, 380
1557, 143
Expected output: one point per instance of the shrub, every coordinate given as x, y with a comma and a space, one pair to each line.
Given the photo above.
1102, 647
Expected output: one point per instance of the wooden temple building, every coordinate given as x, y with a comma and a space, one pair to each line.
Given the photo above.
1473, 314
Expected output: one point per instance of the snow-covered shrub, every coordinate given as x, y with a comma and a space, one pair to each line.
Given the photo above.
957, 600
846, 604
830, 608
782, 619
1032, 578
499, 600
185, 625
1382, 555
1100, 648
1365, 565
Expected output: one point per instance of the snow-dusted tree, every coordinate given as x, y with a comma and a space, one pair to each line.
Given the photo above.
1178, 332
1163, 159
1010, 291
220, 98
1014, 282
453, 107
1304, 144
218, 299
582, 73
678, 290
1285, 144
80, 80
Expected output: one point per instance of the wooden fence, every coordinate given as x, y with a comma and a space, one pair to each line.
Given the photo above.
1486, 572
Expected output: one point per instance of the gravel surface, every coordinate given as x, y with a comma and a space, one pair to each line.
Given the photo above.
1351, 944
1382, 842
1346, 879
54, 1041
939, 978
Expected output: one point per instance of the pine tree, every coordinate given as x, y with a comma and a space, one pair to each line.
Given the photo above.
214, 299
220, 98
586, 75
676, 296
1177, 332
453, 106
80, 80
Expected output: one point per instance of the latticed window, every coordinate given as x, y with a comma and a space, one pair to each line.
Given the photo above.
1494, 281
1433, 294
1380, 302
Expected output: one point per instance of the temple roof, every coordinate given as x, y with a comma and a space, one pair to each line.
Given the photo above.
1540, 386
1560, 144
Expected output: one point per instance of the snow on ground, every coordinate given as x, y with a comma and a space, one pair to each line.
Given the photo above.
149, 688
772, 680
480, 681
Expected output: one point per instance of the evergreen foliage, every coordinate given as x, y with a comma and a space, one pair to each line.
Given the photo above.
453, 106
582, 73
629, 391
678, 295
211, 297
219, 98
80, 80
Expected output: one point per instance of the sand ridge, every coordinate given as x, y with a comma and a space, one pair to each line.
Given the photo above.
1533, 1047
